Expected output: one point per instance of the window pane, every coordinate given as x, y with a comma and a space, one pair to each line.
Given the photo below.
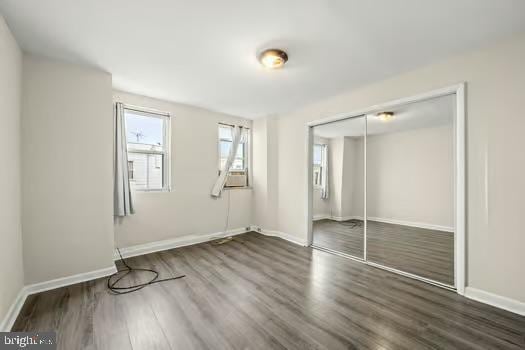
240, 151
155, 171
317, 176
139, 179
144, 130
223, 162
225, 149
225, 145
225, 132
147, 170
318, 154
131, 169
238, 164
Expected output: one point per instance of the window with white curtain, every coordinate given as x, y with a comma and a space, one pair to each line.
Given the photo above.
238, 172
148, 136
318, 161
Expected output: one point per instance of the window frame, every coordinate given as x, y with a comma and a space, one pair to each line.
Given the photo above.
246, 154
166, 152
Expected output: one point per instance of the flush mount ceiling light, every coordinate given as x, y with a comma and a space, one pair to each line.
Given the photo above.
385, 116
273, 58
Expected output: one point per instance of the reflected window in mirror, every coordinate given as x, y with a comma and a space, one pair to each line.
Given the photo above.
319, 155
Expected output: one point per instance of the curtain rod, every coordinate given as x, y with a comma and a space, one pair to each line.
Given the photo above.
221, 123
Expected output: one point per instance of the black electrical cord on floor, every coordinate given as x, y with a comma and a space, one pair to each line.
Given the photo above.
352, 223
112, 285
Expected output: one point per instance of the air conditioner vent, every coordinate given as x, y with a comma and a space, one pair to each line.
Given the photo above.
237, 179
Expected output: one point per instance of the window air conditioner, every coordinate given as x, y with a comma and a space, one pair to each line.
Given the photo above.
237, 179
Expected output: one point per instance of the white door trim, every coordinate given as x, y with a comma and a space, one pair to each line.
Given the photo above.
459, 169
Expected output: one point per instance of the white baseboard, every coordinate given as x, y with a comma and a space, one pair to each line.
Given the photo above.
183, 241
69, 280
335, 218
498, 301
27, 290
388, 221
412, 224
346, 218
14, 310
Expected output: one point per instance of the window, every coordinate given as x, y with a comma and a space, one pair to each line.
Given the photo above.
238, 172
318, 161
147, 135
130, 169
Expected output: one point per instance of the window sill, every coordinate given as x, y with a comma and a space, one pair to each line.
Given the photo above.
166, 190
238, 188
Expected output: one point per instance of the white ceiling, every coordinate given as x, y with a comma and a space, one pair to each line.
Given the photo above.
202, 52
424, 114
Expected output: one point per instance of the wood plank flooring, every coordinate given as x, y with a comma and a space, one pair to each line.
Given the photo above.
343, 236
259, 292
423, 252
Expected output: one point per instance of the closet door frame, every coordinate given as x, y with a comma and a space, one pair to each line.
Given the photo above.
459, 178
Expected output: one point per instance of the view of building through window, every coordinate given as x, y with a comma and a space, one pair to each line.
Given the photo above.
147, 153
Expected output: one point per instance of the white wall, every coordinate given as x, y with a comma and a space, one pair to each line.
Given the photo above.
349, 159
410, 176
355, 176
264, 143
11, 263
496, 164
188, 209
67, 184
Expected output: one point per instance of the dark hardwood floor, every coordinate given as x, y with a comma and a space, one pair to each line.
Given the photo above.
258, 292
423, 252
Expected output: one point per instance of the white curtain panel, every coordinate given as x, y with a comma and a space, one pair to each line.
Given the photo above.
324, 176
123, 205
239, 136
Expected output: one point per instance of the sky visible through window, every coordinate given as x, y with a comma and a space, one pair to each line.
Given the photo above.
318, 154
142, 129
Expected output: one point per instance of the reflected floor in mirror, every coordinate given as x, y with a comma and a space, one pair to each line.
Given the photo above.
342, 236
423, 252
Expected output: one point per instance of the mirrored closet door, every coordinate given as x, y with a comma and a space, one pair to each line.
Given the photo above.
410, 188
383, 188
338, 186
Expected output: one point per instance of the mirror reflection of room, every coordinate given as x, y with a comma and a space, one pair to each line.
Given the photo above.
338, 182
410, 188
409, 220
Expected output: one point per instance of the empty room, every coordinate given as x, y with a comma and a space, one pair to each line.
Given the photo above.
262, 175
